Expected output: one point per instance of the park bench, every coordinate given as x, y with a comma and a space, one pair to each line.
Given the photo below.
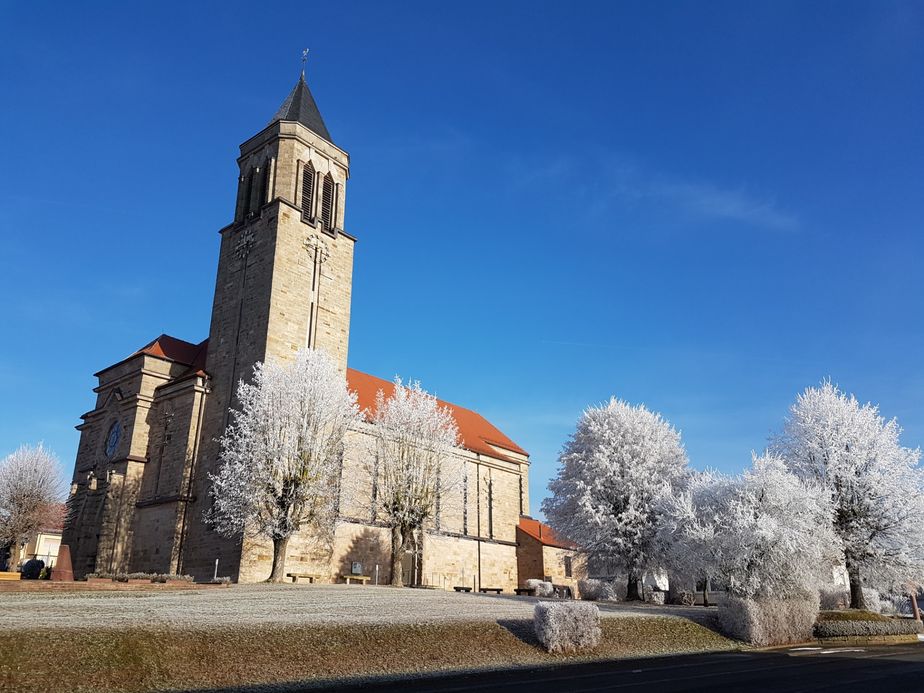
462, 588
310, 577
563, 591
485, 590
528, 591
362, 579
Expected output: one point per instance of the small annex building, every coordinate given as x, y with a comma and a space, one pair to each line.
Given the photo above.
284, 281
542, 555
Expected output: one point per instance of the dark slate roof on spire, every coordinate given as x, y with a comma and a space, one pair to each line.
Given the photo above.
300, 106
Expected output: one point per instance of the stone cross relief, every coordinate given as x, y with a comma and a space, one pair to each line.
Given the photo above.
319, 253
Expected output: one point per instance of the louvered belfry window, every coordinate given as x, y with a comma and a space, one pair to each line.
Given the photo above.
248, 193
307, 190
327, 202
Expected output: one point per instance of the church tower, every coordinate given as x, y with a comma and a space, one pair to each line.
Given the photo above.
284, 282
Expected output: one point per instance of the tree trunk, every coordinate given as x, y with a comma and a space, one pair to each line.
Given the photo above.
857, 600
280, 545
706, 593
397, 557
632, 589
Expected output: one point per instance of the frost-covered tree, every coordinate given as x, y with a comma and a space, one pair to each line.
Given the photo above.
608, 494
693, 520
774, 538
30, 484
414, 461
875, 485
764, 534
281, 455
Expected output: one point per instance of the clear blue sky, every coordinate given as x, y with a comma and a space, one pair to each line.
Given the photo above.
702, 206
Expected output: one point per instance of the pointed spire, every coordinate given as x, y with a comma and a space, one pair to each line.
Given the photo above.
300, 106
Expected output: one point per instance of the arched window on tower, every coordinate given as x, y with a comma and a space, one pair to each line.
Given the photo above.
327, 202
248, 194
308, 178
264, 182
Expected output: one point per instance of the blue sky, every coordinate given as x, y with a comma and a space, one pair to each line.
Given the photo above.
705, 207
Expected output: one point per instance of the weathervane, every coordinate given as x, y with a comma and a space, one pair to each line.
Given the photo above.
304, 60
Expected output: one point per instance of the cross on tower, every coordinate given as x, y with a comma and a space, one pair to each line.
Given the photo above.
320, 253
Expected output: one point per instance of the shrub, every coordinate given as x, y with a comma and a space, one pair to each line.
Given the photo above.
854, 627
654, 596
102, 576
684, 598
598, 590
125, 577
224, 580
770, 621
541, 587
567, 626
164, 577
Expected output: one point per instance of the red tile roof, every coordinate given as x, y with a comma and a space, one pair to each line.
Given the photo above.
476, 432
543, 533
177, 350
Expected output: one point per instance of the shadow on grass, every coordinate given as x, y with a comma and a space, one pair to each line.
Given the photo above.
522, 629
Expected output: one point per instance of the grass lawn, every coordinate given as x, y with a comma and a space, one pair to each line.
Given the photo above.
161, 658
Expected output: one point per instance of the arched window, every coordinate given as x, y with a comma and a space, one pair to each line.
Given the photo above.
241, 197
308, 190
327, 202
248, 194
264, 182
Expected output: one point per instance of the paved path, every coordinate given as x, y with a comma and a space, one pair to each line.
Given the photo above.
838, 670
274, 604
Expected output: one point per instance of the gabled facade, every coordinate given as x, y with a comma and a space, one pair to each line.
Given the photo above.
284, 282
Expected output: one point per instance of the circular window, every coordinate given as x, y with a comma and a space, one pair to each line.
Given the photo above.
112, 438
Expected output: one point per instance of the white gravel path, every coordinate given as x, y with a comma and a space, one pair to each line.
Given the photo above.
268, 605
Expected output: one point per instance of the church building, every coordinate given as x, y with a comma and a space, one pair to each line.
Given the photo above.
141, 478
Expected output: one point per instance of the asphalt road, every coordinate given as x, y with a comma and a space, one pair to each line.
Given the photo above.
882, 669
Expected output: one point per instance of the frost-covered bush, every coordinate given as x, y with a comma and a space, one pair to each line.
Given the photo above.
224, 580
125, 577
594, 590
654, 597
101, 576
891, 626
541, 588
684, 598
164, 577
567, 626
769, 621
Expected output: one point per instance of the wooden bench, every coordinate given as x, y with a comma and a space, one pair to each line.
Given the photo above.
528, 591
462, 588
485, 590
310, 577
362, 579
